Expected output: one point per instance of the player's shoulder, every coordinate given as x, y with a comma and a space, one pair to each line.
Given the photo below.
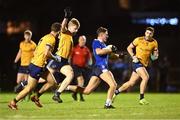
154, 40
139, 38
95, 41
66, 33
22, 42
49, 37
33, 43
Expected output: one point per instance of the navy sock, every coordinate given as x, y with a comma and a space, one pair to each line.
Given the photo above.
15, 100
39, 94
57, 93
141, 96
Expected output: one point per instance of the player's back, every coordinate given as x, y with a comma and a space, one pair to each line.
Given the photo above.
39, 58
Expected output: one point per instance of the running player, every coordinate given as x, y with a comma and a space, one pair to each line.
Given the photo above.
25, 54
41, 54
80, 58
146, 48
63, 53
100, 69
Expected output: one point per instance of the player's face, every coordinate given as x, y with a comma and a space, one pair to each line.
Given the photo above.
27, 37
105, 36
73, 29
82, 41
148, 34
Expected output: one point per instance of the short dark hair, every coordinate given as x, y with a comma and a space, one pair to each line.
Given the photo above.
150, 29
101, 30
55, 27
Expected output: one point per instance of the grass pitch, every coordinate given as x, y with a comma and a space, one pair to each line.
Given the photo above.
162, 106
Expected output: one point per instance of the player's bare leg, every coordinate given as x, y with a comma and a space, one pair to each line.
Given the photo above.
142, 72
50, 83
93, 83
32, 82
133, 79
80, 81
109, 79
21, 82
68, 72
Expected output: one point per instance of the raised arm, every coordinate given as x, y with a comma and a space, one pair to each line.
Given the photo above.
67, 15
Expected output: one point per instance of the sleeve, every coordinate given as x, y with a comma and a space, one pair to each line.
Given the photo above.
50, 42
96, 45
135, 42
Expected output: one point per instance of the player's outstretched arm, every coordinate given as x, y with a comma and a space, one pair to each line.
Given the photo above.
67, 15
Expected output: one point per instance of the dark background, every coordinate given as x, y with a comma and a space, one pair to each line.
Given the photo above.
116, 15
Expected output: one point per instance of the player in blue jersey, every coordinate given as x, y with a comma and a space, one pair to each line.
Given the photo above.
100, 69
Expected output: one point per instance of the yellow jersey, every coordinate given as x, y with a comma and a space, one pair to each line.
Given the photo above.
65, 45
27, 52
39, 58
144, 49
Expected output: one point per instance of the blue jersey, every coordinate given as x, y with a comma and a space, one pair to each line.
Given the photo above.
100, 60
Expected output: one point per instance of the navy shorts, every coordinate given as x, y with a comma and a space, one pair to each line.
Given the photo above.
98, 70
35, 71
23, 69
78, 71
57, 65
136, 66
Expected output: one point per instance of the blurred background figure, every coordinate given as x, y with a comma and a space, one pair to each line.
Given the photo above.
164, 66
24, 55
81, 59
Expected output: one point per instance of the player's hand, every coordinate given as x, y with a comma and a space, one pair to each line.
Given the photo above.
67, 12
135, 59
114, 48
154, 57
109, 47
56, 58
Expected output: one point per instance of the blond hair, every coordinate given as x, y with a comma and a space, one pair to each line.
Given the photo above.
74, 21
28, 32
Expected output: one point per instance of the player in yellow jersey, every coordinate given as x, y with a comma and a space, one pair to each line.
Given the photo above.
25, 54
63, 53
41, 54
146, 48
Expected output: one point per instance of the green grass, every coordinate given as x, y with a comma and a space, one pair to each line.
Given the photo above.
162, 106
